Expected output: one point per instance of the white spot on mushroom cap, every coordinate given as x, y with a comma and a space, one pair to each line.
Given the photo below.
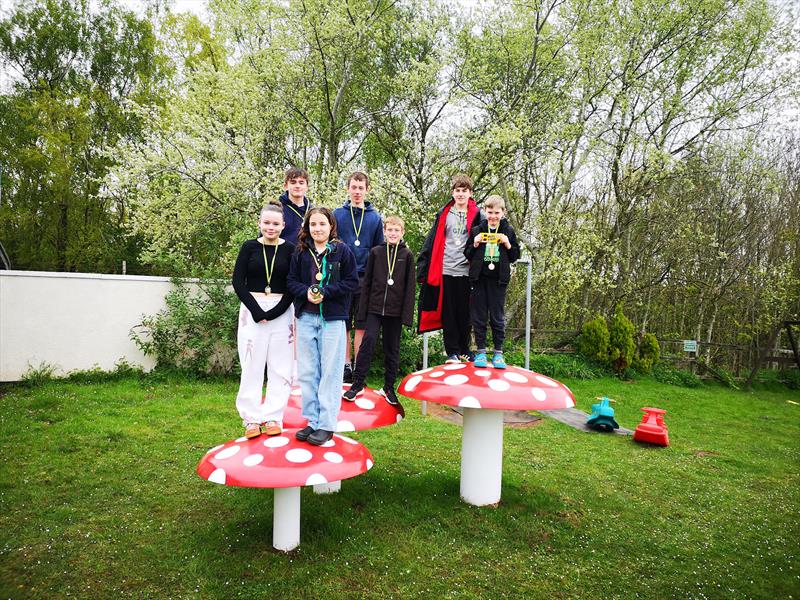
454, 367
218, 476
253, 460
399, 417
316, 479
370, 464
276, 442
423, 371
499, 385
469, 402
329, 444
515, 377
539, 394
345, 426
436, 374
227, 453
569, 403
333, 457
547, 381
344, 438
298, 455
215, 448
456, 379
482, 373
413, 382
240, 440
365, 403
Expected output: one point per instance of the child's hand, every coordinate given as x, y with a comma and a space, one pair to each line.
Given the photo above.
477, 241
312, 298
503, 238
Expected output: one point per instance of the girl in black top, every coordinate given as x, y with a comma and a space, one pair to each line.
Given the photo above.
266, 321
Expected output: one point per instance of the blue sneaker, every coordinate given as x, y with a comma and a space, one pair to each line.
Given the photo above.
498, 362
480, 360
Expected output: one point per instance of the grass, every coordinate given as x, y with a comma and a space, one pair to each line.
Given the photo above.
99, 498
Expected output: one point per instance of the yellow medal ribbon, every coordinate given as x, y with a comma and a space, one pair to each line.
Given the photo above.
391, 263
271, 269
357, 230
318, 276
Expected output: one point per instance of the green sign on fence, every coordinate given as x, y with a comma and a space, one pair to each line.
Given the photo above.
690, 345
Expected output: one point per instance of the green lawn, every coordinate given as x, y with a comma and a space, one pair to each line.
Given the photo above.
99, 498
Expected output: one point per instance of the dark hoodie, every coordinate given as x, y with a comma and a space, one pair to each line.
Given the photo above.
292, 217
370, 234
377, 296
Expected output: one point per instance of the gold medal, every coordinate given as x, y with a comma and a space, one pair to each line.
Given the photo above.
318, 276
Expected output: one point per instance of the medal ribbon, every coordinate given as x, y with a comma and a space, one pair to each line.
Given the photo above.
360, 223
271, 269
323, 269
490, 255
390, 264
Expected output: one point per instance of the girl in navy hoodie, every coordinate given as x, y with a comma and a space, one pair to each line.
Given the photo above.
322, 277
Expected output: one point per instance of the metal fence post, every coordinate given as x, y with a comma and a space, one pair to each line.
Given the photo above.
424, 366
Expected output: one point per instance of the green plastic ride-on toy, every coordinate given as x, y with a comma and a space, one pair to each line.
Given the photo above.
602, 418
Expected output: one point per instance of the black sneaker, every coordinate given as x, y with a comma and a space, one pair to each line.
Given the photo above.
348, 374
350, 395
319, 437
390, 395
303, 434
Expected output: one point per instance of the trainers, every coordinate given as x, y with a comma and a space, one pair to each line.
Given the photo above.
348, 373
272, 428
252, 430
390, 395
319, 437
452, 358
350, 395
498, 362
480, 360
303, 434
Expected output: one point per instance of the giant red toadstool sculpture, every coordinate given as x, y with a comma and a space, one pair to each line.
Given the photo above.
283, 463
368, 411
484, 394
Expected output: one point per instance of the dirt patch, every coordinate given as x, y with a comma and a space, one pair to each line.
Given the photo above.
517, 419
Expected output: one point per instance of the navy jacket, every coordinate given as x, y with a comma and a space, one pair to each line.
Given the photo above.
337, 287
371, 233
293, 221
507, 256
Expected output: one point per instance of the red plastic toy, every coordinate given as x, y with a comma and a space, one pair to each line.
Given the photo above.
652, 429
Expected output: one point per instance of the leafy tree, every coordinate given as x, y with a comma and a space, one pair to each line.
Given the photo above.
594, 340
621, 348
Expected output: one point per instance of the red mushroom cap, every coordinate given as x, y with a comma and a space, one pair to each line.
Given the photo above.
461, 384
281, 461
369, 411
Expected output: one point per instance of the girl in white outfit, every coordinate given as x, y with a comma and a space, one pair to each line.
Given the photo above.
266, 323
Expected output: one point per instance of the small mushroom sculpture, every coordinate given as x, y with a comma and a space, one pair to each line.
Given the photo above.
484, 394
368, 411
285, 464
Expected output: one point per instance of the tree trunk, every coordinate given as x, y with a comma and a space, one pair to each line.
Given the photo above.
762, 353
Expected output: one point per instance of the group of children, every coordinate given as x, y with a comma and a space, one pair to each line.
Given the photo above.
317, 274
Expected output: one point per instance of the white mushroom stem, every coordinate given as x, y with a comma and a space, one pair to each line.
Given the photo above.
482, 456
286, 519
328, 488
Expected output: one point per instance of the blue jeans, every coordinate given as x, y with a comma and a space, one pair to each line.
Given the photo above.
320, 363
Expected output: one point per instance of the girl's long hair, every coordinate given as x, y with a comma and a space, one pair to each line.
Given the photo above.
304, 239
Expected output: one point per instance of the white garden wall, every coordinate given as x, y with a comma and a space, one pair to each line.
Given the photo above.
73, 320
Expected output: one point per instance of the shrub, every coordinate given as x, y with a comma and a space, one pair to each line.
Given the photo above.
621, 347
648, 355
669, 374
196, 332
40, 374
594, 339
790, 378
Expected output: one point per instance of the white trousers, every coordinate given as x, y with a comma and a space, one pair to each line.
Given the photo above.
271, 344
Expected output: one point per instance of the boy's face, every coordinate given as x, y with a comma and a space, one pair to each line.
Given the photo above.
393, 233
297, 188
357, 191
493, 215
461, 195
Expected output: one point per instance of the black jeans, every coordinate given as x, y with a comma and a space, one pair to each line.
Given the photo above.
455, 314
392, 328
488, 296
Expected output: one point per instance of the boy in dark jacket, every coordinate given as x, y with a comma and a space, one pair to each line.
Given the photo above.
387, 302
294, 202
491, 249
443, 272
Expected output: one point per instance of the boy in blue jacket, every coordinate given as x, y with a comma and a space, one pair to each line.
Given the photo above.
359, 225
294, 202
